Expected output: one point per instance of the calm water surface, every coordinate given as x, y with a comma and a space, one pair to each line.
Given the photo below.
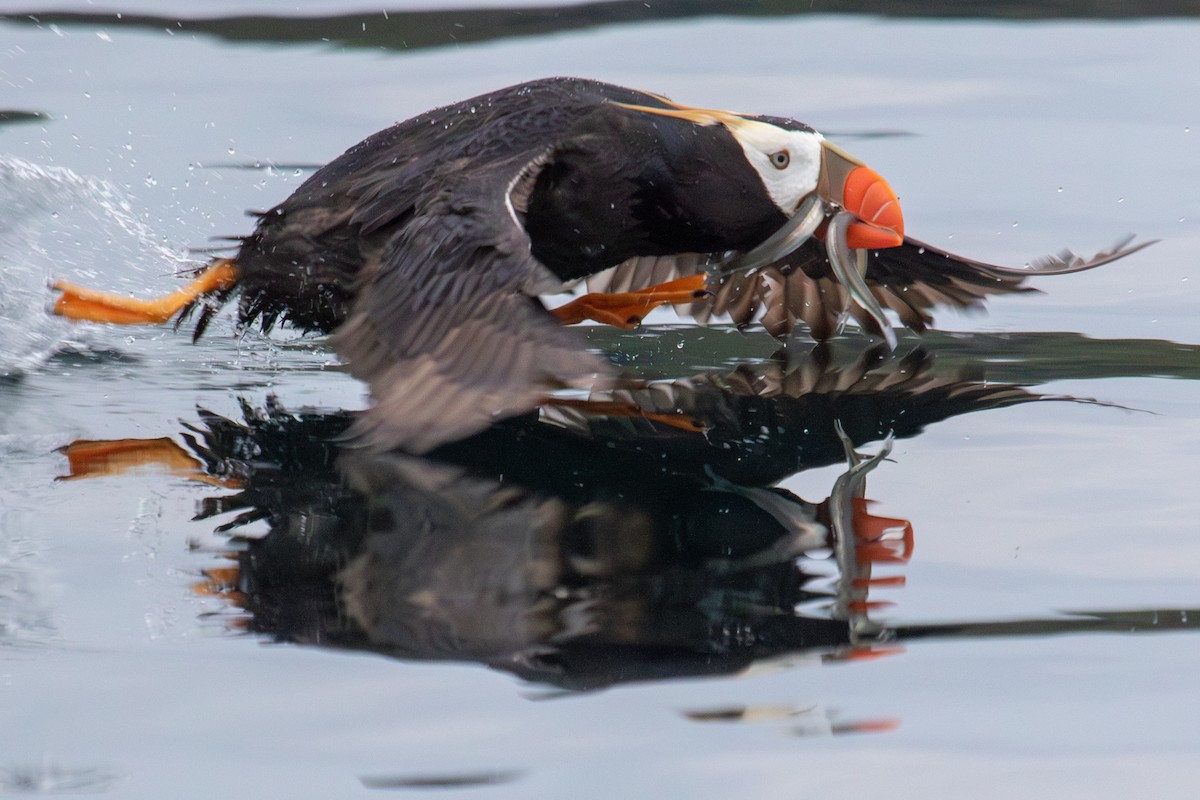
606, 610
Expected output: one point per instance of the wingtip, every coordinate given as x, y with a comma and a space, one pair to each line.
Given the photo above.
1067, 261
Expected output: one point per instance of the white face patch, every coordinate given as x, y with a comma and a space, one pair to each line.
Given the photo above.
763, 142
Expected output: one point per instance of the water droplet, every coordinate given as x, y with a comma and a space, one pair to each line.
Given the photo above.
297, 171
104, 37
1120, 199
1060, 190
231, 151
1187, 129
1015, 223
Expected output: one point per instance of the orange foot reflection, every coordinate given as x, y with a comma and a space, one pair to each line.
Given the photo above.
223, 583
95, 458
615, 408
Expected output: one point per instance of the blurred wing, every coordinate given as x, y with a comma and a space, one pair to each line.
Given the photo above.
446, 328
911, 279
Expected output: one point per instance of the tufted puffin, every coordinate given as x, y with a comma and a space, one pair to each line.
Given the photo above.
424, 248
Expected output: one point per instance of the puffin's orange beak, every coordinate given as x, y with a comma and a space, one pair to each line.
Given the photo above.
860, 190
868, 197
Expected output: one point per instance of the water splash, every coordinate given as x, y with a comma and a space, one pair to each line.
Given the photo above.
55, 223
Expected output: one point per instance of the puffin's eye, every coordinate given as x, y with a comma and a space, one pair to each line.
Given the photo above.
780, 159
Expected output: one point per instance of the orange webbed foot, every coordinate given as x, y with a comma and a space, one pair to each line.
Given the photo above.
627, 309
79, 302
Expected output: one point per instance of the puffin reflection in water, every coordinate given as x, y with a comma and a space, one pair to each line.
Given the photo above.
424, 249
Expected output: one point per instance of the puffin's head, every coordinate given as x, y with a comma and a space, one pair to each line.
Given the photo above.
795, 163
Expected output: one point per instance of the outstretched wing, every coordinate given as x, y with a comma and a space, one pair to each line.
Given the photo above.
447, 330
911, 279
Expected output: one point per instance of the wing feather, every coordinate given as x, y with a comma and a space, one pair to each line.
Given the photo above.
445, 331
912, 280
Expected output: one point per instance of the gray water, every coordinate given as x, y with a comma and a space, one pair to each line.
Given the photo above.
1044, 643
